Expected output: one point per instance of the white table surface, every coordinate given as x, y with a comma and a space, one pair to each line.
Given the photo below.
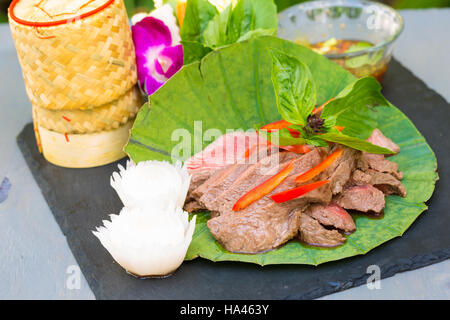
34, 255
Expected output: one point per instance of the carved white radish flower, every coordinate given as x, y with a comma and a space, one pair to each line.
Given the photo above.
147, 243
151, 184
152, 233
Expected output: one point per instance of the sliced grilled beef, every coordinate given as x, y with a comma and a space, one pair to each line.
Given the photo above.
198, 178
383, 181
332, 215
193, 206
223, 178
364, 198
225, 150
264, 224
339, 172
313, 233
357, 182
257, 230
257, 174
379, 163
245, 174
218, 176
379, 139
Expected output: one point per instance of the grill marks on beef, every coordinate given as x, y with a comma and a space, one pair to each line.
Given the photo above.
357, 182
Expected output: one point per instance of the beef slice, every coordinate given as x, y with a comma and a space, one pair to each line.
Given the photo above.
364, 198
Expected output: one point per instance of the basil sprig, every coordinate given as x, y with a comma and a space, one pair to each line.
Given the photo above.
295, 94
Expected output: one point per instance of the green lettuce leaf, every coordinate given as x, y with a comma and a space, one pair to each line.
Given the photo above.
197, 17
194, 51
257, 33
251, 15
232, 89
204, 28
216, 33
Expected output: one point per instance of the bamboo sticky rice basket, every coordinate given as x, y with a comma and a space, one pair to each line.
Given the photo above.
78, 63
108, 117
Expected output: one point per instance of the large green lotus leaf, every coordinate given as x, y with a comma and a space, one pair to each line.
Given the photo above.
231, 89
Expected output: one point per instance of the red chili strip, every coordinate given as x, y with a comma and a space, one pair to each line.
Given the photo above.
264, 188
280, 124
297, 192
297, 148
308, 175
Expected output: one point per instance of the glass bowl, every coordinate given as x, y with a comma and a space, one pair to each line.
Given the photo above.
366, 30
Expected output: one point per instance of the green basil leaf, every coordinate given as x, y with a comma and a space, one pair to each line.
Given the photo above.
198, 14
354, 142
316, 141
353, 107
295, 91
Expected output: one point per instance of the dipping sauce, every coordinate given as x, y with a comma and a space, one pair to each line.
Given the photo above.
367, 64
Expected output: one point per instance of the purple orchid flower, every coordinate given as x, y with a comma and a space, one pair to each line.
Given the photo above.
156, 57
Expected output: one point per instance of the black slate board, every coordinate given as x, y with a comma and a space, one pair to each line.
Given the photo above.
81, 199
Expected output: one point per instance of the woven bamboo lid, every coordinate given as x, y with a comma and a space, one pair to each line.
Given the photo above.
75, 54
53, 12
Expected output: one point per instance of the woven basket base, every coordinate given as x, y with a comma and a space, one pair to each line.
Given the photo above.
84, 150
